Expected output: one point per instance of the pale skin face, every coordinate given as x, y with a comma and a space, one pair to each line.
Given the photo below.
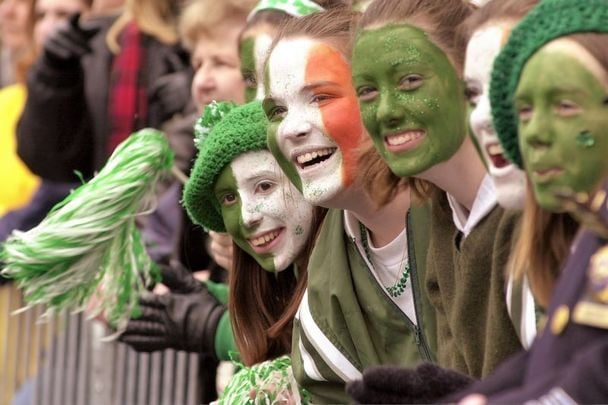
14, 23
482, 49
562, 103
49, 13
410, 98
216, 67
264, 213
315, 126
253, 54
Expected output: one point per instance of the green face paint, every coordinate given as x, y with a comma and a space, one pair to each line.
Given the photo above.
286, 165
262, 211
253, 53
411, 99
248, 72
563, 124
585, 139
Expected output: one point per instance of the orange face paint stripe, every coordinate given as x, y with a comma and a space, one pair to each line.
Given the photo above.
341, 116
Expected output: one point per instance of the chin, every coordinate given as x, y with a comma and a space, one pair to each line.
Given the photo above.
511, 197
322, 192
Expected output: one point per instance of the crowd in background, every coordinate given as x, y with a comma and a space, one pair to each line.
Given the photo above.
399, 277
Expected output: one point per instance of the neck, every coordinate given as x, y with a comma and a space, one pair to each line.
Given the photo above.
460, 176
385, 223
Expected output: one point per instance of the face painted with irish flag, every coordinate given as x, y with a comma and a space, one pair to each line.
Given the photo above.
264, 213
315, 124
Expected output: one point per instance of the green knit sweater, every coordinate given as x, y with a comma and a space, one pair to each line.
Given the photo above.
465, 281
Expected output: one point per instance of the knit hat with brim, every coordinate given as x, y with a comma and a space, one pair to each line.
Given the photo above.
549, 20
239, 130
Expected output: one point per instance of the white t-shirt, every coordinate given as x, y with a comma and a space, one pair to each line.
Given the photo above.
388, 263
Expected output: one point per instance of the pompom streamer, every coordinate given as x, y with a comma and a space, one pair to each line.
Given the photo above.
89, 245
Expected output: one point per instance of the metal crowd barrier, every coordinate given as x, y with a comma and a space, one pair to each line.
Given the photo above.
64, 362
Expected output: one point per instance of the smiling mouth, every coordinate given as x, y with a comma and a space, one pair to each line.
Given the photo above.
262, 243
405, 140
312, 158
496, 155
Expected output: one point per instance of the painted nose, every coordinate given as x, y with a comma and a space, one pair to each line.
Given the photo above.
481, 117
251, 214
294, 127
390, 111
538, 132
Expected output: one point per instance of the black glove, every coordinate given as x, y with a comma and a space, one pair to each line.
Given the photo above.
69, 42
179, 279
175, 321
171, 93
394, 385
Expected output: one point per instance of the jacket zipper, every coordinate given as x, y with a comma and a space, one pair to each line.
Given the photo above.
418, 336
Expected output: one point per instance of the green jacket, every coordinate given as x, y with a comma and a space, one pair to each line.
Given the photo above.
224, 338
465, 281
347, 321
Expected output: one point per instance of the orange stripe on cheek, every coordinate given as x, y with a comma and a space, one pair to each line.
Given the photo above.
341, 116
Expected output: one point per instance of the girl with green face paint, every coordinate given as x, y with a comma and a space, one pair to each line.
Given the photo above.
408, 78
364, 302
237, 186
548, 95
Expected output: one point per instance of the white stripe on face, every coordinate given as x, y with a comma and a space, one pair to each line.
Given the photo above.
482, 49
274, 213
260, 53
301, 134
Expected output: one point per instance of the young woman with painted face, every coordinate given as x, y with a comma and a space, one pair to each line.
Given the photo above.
364, 303
236, 186
407, 71
262, 27
556, 130
486, 30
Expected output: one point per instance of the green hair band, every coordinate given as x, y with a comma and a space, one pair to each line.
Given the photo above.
295, 8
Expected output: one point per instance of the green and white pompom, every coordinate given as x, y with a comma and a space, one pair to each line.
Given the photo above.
268, 383
89, 245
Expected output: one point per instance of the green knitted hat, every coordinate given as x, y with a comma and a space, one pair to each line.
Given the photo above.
239, 130
549, 20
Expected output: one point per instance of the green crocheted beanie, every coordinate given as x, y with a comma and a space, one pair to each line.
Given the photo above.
239, 130
549, 20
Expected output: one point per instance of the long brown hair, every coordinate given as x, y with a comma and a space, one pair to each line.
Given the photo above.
439, 20
262, 305
495, 11
541, 248
545, 237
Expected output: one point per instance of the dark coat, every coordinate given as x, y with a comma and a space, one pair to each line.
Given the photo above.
568, 361
65, 123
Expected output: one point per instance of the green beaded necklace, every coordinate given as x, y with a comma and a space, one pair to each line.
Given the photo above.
399, 287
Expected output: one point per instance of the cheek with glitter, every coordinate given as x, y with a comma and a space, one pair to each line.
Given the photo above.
585, 139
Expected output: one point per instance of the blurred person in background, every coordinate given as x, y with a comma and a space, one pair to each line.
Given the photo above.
16, 25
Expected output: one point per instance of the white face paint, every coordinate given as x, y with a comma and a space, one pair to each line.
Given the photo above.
301, 135
260, 53
276, 219
482, 49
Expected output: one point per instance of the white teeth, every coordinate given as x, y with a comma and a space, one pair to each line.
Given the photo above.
400, 139
307, 157
264, 239
495, 149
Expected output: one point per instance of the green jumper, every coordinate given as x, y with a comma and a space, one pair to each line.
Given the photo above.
466, 284
347, 321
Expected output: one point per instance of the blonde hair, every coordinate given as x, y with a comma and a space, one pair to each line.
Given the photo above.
202, 17
153, 17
